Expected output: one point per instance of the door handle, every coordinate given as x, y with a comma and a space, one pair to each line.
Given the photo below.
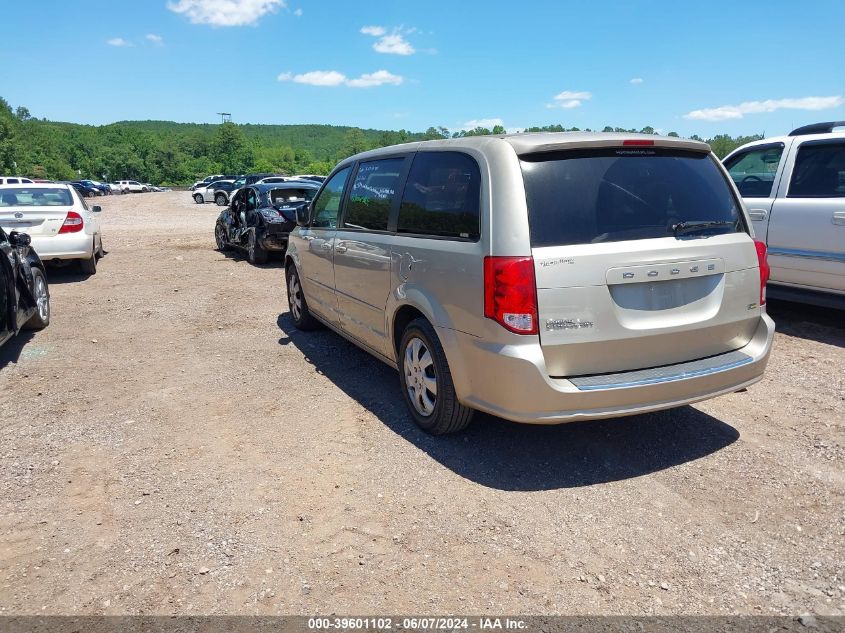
758, 214
838, 217
341, 248
326, 246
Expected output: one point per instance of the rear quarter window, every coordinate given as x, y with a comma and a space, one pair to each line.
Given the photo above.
617, 194
441, 197
819, 171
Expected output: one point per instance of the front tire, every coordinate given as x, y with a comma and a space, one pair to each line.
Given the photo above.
220, 237
299, 312
41, 318
427, 385
255, 252
199, 199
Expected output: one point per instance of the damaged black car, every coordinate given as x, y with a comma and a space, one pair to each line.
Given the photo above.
261, 216
24, 295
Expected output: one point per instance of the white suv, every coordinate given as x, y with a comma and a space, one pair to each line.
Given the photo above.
131, 186
794, 188
14, 180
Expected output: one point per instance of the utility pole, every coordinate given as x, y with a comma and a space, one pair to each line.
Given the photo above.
225, 117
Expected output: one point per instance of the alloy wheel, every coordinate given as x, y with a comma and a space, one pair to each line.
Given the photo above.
295, 297
420, 377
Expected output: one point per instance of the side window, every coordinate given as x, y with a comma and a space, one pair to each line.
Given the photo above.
11, 181
373, 190
819, 171
442, 196
327, 204
754, 171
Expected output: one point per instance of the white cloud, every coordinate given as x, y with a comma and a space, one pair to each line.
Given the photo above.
378, 78
297, 12
225, 12
725, 112
637, 80
569, 99
394, 44
118, 41
485, 123
334, 78
158, 40
375, 31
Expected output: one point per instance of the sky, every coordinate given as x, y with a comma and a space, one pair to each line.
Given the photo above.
752, 67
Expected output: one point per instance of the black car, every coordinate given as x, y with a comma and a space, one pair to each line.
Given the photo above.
24, 295
103, 188
86, 191
261, 217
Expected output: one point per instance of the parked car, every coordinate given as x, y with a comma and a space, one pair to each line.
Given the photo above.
541, 278
222, 191
313, 177
794, 188
261, 217
206, 194
24, 294
62, 226
210, 179
101, 188
131, 186
14, 180
86, 191
271, 179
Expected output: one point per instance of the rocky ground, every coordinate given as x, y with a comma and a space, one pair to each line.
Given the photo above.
172, 445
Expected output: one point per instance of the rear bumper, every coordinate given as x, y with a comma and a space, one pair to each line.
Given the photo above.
512, 382
66, 246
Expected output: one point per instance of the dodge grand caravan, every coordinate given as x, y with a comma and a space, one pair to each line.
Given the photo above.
539, 277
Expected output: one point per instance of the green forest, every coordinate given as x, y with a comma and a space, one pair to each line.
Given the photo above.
168, 153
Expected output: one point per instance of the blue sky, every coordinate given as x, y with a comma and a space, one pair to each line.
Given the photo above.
691, 67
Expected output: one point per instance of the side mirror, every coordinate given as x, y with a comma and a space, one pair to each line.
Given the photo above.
96, 208
19, 239
303, 214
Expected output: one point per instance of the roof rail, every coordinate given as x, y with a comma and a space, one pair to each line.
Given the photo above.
817, 128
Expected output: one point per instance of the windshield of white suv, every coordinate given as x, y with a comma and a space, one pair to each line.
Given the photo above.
35, 197
615, 194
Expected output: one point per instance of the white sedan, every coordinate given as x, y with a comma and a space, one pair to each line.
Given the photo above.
58, 220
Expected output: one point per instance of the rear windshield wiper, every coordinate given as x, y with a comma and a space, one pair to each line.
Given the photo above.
689, 226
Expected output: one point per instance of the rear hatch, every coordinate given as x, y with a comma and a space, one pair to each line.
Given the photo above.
36, 211
642, 257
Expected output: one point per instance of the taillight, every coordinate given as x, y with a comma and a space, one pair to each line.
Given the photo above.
763, 260
638, 142
73, 223
510, 293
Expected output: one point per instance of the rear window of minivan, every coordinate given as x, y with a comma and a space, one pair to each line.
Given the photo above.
617, 194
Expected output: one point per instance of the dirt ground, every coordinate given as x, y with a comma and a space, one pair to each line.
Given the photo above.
172, 445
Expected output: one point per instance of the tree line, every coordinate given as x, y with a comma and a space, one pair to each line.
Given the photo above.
169, 153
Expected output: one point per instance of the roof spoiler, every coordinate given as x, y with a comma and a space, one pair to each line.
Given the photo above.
817, 128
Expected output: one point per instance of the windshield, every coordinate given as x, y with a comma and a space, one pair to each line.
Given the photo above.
40, 197
615, 194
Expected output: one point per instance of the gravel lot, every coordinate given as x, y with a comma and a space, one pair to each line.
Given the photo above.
171, 445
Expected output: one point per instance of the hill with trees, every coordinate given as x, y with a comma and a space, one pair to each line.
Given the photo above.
180, 153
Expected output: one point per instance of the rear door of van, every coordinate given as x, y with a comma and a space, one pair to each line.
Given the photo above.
642, 255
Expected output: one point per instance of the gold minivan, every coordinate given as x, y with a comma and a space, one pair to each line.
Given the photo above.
541, 278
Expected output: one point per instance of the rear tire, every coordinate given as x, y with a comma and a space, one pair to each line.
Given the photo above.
299, 312
199, 199
426, 381
41, 318
220, 199
255, 252
89, 266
